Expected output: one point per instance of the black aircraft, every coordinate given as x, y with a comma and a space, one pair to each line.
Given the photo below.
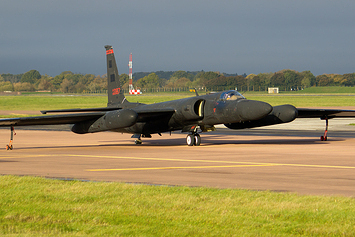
192, 115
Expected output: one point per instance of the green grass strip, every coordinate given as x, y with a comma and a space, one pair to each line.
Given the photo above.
32, 206
307, 100
47, 102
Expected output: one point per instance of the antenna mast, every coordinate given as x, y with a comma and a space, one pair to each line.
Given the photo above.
131, 89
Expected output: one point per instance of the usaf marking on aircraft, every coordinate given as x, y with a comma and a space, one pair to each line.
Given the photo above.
192, 115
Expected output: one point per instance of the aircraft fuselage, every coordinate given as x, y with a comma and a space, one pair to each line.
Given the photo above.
182, 114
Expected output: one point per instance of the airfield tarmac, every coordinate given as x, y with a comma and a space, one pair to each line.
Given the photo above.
274, 158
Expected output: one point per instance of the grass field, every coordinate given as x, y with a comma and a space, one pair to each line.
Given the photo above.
32, 206
328, 89
307, 100
41, 102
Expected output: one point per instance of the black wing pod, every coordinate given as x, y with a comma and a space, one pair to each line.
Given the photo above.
120, 118
110, 121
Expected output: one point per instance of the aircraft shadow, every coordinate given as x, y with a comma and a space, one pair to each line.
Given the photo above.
8, 161
306, 141
208, 140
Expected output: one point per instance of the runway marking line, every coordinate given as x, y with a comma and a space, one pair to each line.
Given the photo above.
22, 156
240, 163
183, 167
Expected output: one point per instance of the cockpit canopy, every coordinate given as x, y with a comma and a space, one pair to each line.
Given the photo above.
231, 95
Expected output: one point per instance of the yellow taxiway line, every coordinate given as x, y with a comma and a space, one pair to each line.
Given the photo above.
236, 163
182, 167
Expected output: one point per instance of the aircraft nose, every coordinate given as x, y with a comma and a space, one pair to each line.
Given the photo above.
253, 110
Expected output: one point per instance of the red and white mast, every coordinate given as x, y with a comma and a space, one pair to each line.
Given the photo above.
131, 88
130, 73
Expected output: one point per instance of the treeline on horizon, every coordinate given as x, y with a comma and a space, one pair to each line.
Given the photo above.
69, 82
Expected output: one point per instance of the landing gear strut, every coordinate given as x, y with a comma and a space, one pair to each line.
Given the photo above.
138, 140
9, 146
324, 137
193, 139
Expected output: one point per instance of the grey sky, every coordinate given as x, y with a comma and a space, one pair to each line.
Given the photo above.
226, 36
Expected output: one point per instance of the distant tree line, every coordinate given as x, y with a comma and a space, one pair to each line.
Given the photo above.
293, 80
69, 82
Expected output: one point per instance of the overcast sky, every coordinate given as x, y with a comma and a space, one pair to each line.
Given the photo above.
229, 36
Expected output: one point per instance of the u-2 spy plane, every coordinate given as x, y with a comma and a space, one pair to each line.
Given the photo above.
192, 115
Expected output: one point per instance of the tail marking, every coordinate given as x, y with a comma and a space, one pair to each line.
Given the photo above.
116, 91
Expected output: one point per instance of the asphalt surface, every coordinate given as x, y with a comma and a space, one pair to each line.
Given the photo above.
276, 158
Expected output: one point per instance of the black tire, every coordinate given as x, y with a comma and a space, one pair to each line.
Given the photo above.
190, 140
197, 139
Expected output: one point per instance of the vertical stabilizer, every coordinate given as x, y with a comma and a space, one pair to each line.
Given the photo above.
114, 89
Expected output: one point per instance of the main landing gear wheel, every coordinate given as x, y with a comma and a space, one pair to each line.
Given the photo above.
190, 140
193, 140
197, 140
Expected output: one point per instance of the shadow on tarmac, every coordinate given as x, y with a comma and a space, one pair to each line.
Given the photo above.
206, 141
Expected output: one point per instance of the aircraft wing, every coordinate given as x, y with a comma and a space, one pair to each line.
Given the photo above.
143, 116
325, 113
50, 120
79, 110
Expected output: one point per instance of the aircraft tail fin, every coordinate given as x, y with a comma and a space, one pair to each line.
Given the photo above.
114, 89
